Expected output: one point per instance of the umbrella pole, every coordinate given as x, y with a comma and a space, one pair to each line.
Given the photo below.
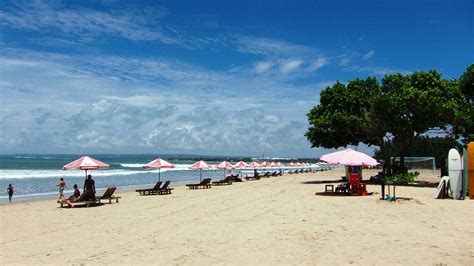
200, 175
86, 173
159, 169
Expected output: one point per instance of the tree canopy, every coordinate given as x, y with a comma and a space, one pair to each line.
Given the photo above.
390, 115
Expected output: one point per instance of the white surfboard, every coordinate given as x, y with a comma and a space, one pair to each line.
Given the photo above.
455, 173
440, 191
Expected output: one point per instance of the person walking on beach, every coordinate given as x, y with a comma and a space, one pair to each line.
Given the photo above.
89, 184
62, 187
10, 192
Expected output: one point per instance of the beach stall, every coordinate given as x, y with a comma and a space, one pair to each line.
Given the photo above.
353, 161
158, 164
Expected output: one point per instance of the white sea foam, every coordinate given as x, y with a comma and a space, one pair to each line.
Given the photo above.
132, 165
21, 174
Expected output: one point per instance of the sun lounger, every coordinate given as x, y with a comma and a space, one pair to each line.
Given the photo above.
149, 191
109, 195
205, 183
254, 177
225, 181
86, 198
165, 189
235, 178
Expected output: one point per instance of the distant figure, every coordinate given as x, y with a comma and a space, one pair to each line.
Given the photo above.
89, 184
73, 198
10, 192
62, 187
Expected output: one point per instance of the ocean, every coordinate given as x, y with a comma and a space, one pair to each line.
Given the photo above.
37, 176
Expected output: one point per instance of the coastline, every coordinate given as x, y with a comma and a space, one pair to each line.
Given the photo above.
276, 220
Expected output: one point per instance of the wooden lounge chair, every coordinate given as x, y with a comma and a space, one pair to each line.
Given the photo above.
235, 178
109, 195
149, 191
86, 198
254, 177
205, 183
165, 189
225, 181
267, 174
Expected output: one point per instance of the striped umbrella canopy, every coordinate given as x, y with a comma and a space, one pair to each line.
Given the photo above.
201, 165
272, 164
291, 164
349, 157
254, 164
158, 164
279, 164
241, 164
224, 165
85, 163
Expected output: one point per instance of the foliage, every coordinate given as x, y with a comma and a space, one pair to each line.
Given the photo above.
391, 115
401, 179
465, 126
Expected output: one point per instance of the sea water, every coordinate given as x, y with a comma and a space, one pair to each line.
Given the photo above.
37, 176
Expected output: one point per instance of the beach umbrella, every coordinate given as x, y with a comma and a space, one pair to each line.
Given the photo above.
291, 164
201, 165
85, 163
158, 164
279, 164
272, 164
254, 164
240, 165
349, 157
224, 165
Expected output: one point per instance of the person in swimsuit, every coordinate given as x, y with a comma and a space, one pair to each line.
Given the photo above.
74, 197
10, 192
62, 187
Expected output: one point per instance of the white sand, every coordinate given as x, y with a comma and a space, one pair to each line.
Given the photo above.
278, 220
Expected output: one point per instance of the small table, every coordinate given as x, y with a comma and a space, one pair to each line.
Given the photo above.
329, 188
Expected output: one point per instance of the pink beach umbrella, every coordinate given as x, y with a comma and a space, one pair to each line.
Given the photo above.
85, 163
241, 164
158, 164
201, 165
272, 164
254, 164
291, 164
349, 157
224, 165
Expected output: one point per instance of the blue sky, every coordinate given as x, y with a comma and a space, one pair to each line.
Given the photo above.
204, 77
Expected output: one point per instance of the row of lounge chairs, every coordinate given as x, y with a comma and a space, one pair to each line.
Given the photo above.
87, 198
257, 176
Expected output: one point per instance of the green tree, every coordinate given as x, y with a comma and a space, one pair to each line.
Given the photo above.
390, 116
465, 125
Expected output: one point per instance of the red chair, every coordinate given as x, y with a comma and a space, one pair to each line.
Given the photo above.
355, 187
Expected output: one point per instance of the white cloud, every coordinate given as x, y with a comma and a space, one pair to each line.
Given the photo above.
86, 25
319, 63
344, 61
269, 47
263, 66
114, 104
368, 55
290, 65
377, 70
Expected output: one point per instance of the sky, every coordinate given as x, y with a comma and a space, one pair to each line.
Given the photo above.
232, 78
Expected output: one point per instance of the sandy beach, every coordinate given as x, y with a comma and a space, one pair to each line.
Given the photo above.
278, 220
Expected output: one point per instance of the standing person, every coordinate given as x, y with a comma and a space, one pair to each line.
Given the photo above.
62, 187
89, 184
10, 192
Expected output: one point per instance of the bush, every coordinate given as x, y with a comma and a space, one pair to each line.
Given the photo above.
401, 179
